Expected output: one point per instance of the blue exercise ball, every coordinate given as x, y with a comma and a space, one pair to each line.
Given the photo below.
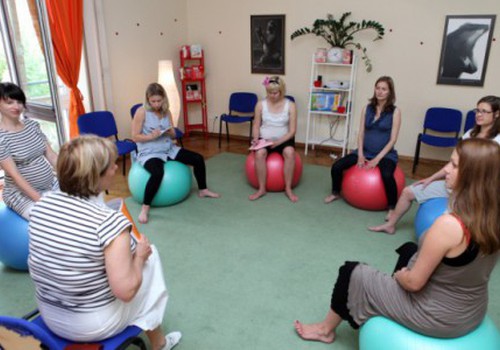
14, 239
427, 213
175, 186
381, 333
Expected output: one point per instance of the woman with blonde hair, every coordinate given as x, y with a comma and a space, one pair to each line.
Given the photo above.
440, 288
89, 270
275, 121
153, 130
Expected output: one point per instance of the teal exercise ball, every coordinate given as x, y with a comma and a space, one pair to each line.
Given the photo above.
174, 188
427, 213
380, 333
14, 239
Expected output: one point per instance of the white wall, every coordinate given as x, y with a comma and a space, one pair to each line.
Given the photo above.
409, 52
138, 35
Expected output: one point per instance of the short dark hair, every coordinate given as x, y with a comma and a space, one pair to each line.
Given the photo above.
12, 91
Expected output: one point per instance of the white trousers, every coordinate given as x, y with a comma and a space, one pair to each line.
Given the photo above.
145, 310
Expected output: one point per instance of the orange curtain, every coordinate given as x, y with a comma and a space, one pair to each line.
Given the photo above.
66, 28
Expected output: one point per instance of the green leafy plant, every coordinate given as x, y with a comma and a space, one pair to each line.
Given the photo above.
340, 33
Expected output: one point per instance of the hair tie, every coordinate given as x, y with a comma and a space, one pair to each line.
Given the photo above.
266, 81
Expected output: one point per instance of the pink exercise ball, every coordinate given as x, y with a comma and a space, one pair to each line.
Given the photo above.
275, 180
363, 188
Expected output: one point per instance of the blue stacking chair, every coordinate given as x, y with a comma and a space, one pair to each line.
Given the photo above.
241, 110
39, 330
470, 120
440, 120
102, 123
178, 132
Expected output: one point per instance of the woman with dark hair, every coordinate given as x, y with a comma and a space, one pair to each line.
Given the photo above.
378, 132
487, 126
93, 277
440, 288
153, 130
25, 154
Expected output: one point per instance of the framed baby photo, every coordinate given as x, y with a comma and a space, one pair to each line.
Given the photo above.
267, 40
465, 49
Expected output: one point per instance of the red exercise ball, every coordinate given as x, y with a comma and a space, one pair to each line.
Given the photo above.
363, 188
275, 180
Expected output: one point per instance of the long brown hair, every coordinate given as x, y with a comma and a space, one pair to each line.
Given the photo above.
476, 194
391, 99
494, 102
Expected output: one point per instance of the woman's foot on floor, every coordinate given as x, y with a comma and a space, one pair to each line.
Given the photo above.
257, 195
330, 198
206, 193
172, 339
291, 196
143, 215
385, 228
389, 214
314, 331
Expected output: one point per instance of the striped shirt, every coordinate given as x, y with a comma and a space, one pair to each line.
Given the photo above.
27, 149
68, 236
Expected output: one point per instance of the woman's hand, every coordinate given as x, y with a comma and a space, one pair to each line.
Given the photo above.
424, 182
155, 134
254, 142
371, 163
143, 249
361, 161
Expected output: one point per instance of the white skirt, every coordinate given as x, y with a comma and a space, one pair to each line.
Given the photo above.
145, 310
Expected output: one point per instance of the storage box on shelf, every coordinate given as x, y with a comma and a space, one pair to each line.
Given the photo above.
330, 111
192, 74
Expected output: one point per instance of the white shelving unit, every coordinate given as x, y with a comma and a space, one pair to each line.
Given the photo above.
329, 127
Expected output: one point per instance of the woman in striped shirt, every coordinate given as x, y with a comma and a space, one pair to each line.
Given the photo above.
25, 155
89, 271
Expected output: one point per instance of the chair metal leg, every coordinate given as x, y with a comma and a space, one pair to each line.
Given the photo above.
180, 142
417, 155
251, 131
124, 157
220, 129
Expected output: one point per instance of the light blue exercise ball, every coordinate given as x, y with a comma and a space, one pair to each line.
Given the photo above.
174, 188
427, 213
380, 333
14, 239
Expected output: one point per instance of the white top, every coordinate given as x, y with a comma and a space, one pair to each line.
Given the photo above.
274, 125
68, 235
467, 136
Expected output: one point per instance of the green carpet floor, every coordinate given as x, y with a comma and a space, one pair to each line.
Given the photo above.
240, 272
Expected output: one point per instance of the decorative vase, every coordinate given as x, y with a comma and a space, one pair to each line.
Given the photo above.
334, 55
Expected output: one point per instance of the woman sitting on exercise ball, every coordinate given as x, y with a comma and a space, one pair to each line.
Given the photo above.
25, 154
378, 133
440, 288
276, 122
153, 130
487, 126
92, 277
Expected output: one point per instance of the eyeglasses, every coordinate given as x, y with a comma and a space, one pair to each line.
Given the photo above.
481, 111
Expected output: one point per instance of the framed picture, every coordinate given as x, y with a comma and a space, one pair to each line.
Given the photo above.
267, 38
465, 49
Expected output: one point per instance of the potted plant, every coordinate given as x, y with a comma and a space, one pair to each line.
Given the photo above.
340, 33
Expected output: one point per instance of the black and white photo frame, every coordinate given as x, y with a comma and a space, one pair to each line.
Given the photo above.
465, 49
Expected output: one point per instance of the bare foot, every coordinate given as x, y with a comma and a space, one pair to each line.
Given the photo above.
314, 331
257, 195
330, 198
389, 214
143, 215
207, 193
291, 196
386, 228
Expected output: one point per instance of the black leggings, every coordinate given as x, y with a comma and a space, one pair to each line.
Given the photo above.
386, 167
155, 167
